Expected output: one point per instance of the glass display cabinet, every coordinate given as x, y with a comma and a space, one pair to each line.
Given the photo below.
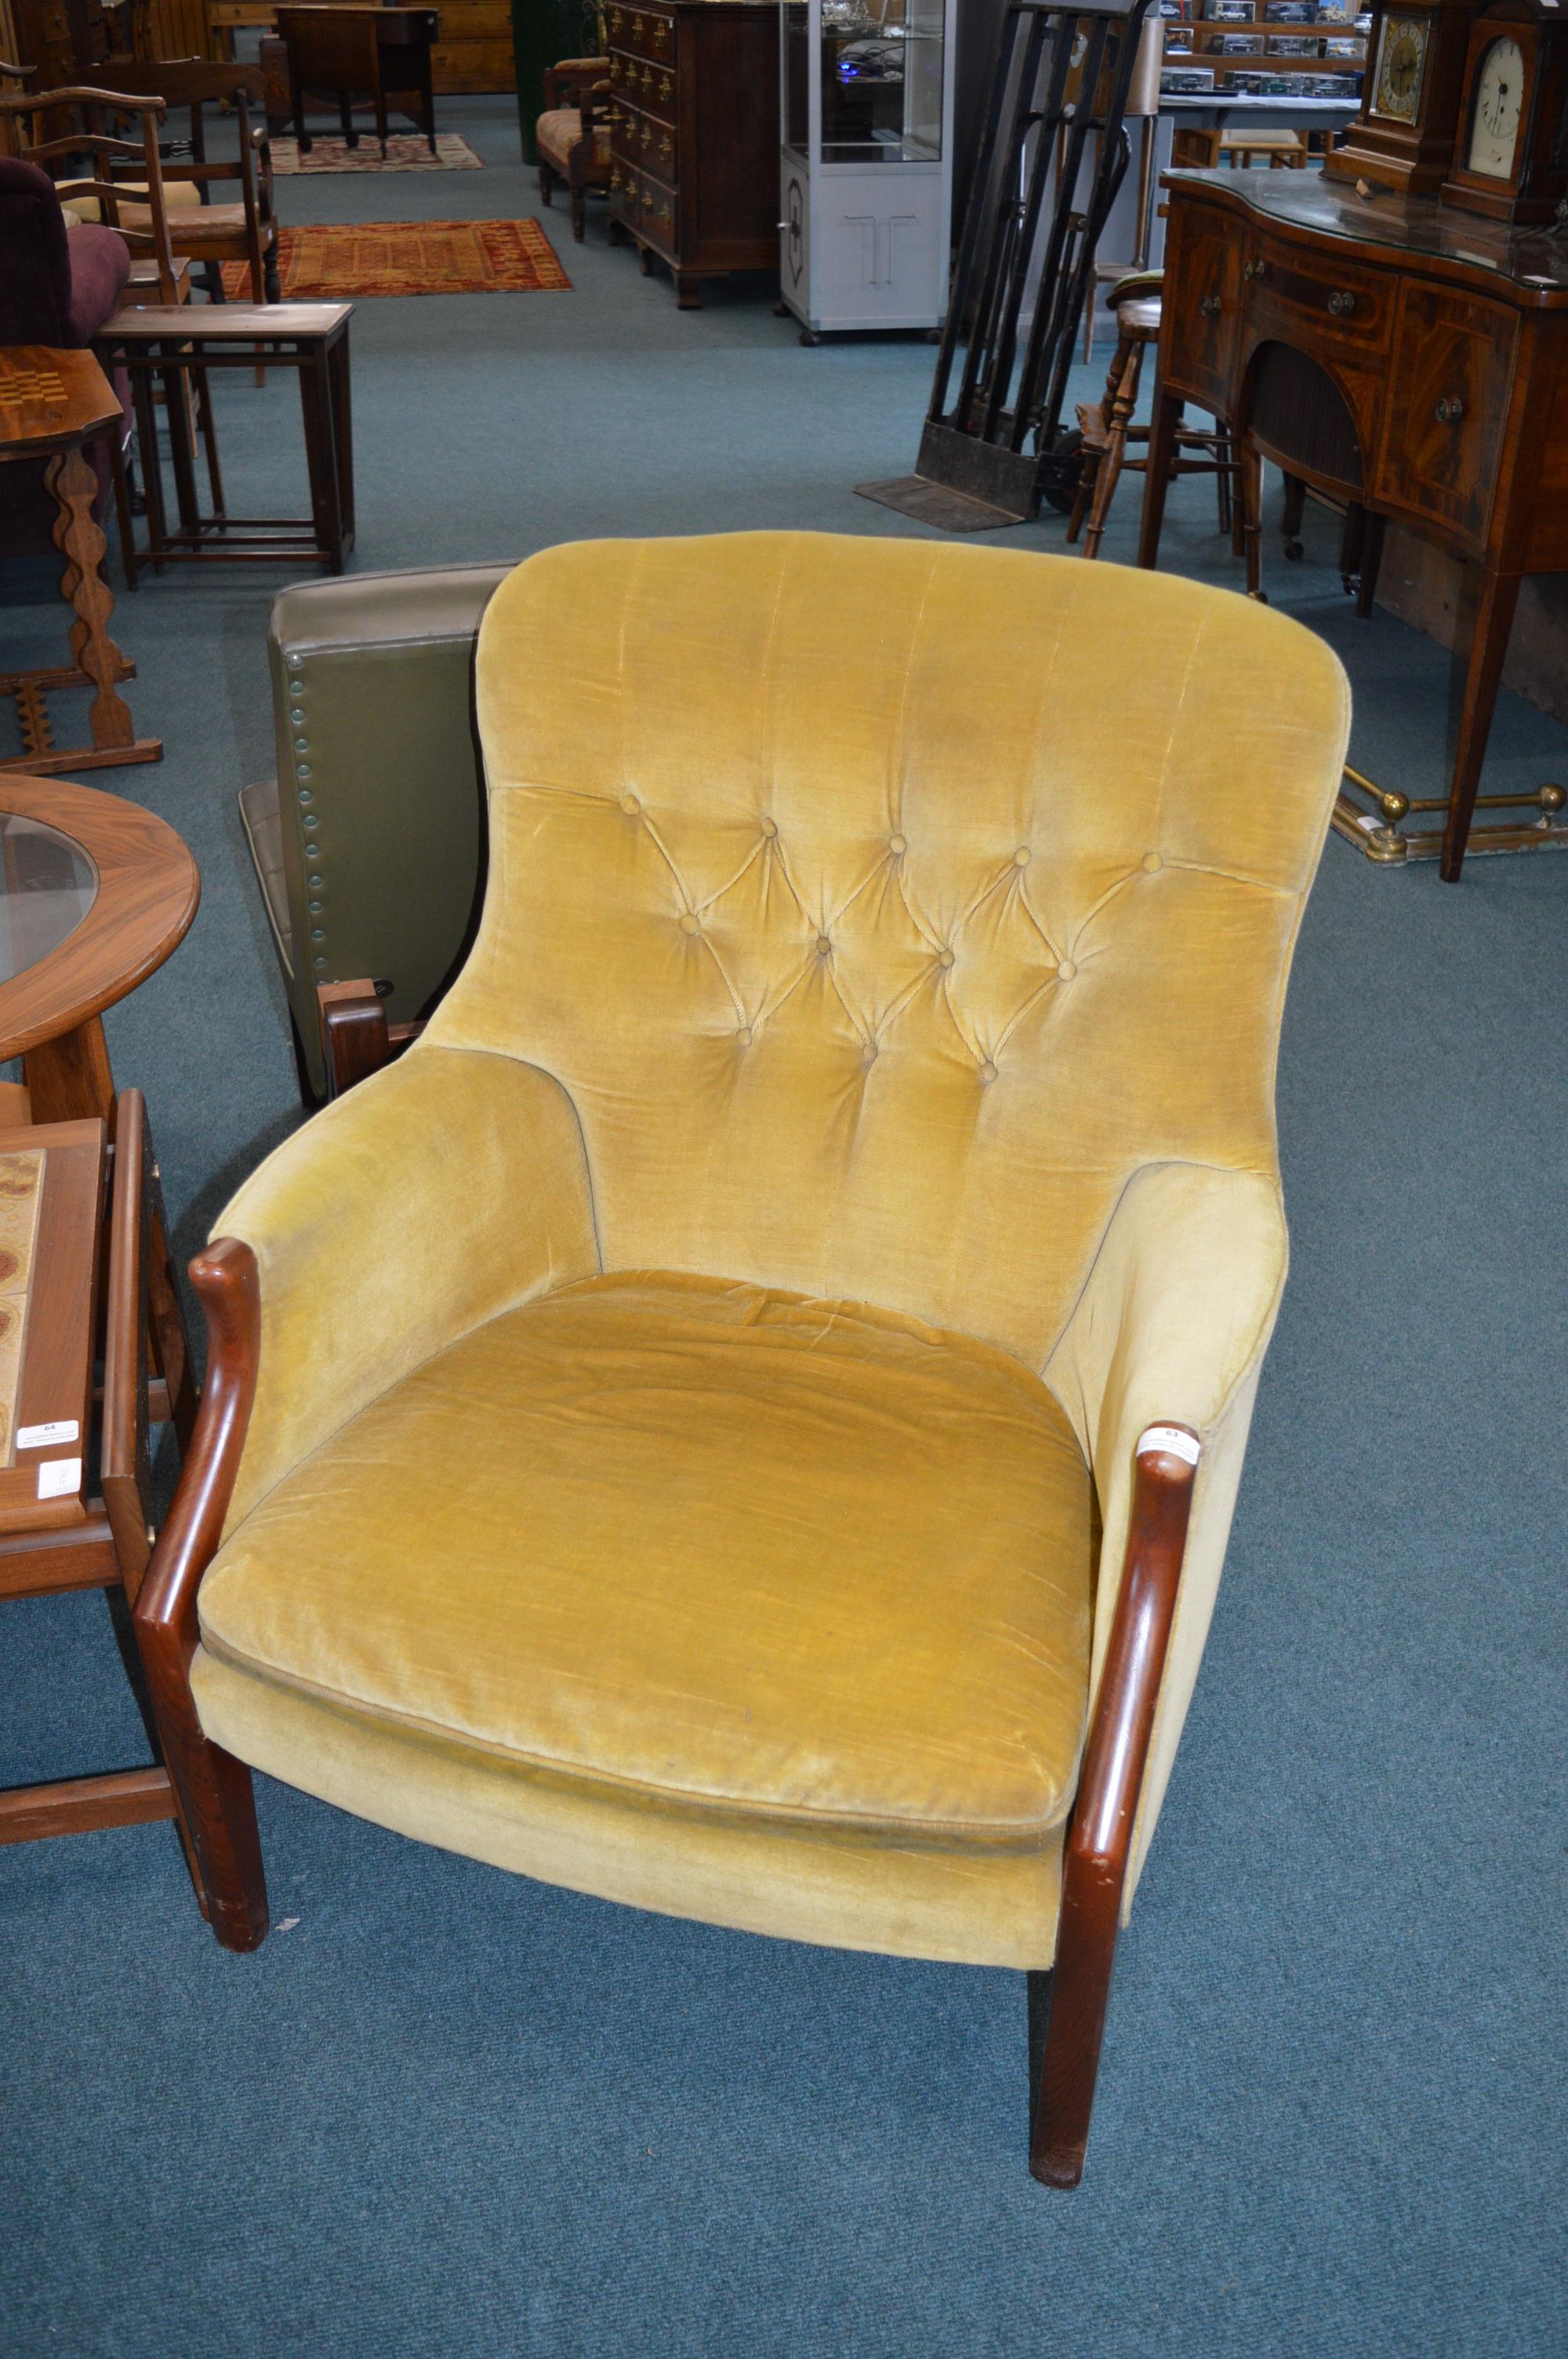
866, 100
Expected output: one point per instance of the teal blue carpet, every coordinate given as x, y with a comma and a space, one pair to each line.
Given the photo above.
450, 2114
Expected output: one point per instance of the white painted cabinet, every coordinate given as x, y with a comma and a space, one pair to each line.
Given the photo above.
866, 96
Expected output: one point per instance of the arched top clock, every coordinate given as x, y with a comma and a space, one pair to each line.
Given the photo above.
1509, 158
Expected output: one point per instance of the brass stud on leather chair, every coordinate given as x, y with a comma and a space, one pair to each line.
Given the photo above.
743, 1418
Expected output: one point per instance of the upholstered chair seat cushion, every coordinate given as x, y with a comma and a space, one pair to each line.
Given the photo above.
558, 134
707, 1550
178, 196
197, 220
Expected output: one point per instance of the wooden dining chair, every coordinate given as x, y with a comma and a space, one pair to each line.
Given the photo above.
124, 189
203, 230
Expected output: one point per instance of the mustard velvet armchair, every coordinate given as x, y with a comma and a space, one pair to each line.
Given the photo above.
744, 1418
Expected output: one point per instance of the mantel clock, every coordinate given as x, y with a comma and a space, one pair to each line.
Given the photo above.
1509, 157
1404, 138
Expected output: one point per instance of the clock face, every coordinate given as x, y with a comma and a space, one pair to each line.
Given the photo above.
1495, 120
1401, 60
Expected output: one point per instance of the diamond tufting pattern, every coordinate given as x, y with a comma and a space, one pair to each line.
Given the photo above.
876, 944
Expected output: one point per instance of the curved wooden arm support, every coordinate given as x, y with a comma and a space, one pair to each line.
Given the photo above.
1095, 1868
214, 1788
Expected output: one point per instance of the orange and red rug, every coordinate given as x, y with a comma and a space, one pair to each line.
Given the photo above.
338, 263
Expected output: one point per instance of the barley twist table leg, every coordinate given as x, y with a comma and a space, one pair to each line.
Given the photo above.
81, 544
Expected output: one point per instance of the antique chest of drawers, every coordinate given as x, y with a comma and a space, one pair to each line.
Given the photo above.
694, 127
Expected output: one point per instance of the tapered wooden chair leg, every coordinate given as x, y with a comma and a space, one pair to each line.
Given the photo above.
1100, 1839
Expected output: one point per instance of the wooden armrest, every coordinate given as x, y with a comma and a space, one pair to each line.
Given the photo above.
214, 1788
356, 1038
1100, 1837
565, 83
126, 1468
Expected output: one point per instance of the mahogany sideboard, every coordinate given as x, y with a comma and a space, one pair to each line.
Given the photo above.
693, 131
1396, 353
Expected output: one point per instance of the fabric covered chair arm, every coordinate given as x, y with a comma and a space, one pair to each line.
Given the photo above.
565, 81
444, 1190
1172, 1325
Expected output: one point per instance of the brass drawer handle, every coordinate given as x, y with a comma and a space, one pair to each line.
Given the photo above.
647, 77
616, 20
666, 148
1209, 307
614, 68
1450, 410
1253, 269
661, 35
666, 87
636, 28
1341, 304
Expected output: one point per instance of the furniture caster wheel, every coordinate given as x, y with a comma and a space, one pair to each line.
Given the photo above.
933, 335
1060, 470
1258, 597
809, 336
1293, 551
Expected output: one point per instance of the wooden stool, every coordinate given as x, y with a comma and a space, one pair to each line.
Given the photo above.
311, 337
61, 1184
1108, 428
1197, 147
52, 405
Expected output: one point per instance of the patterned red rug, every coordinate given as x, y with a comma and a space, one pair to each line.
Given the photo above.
406, 151
338, 263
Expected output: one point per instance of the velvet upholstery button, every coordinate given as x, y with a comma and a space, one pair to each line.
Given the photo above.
688, 924
770, 827
868, 1051
987, 1071
629, 804
1067, 970
943, 958
823, 946
744, 1036
897, 844
1152, 861
1021, 857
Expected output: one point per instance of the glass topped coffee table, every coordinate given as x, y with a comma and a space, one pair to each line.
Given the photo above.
95, 894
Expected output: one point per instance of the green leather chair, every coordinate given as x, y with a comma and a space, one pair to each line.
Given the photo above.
369, 847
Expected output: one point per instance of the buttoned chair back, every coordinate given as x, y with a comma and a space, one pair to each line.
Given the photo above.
878, 947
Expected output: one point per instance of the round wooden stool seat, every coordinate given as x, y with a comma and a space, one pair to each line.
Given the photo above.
1138, 316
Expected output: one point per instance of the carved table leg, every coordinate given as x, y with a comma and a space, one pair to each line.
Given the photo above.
1489, 644
81, 544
